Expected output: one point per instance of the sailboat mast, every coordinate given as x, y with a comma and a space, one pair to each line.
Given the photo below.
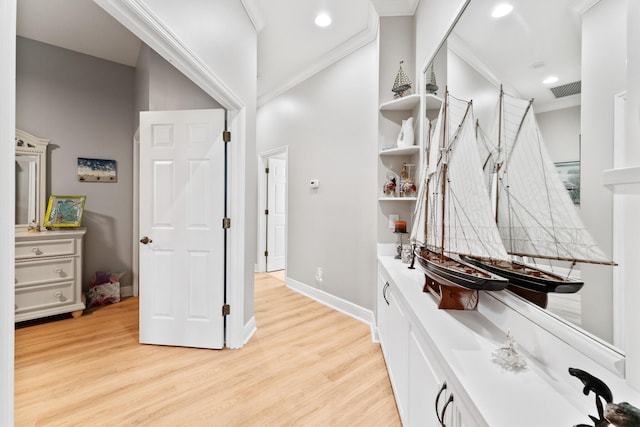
444, 166
498, 163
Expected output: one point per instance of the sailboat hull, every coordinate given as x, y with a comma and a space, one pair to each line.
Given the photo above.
458, 273
528, 277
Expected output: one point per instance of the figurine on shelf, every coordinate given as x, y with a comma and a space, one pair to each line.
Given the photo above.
401, 83
389, 188
406, 187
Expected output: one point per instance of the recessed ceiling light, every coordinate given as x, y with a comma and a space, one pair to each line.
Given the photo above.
550, 79
503, 9
323, 20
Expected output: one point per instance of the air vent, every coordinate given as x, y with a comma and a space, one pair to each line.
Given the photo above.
567, 90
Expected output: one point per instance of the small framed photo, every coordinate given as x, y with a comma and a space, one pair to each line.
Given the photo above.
64, 211
97, 170
570, 175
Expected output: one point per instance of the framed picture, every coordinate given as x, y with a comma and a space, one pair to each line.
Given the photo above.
97, 170
64, 211
570, 175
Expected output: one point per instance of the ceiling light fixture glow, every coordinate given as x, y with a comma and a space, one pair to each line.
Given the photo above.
503, 9
550, 79
323, 20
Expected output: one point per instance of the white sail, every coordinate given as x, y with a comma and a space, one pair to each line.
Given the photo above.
469, 226
536, 216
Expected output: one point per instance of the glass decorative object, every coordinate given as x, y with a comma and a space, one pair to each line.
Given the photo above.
508, 355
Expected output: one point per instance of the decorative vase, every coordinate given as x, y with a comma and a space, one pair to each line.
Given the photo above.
406, 136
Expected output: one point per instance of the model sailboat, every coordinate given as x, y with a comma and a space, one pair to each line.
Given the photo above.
533, 210
453, 214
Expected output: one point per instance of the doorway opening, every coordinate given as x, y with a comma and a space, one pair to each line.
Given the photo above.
272, 209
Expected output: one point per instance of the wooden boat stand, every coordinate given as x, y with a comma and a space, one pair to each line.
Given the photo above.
449, 295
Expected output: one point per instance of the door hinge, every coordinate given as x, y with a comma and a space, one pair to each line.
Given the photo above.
226, 136
226, 222
266, 211
266, 253
226, 310
266, 170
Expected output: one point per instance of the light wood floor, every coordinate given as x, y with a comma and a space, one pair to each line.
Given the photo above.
307, 365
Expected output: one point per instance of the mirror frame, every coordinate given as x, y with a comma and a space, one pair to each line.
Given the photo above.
27, 144
605, 354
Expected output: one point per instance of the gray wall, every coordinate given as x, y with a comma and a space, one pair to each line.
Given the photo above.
84, 105
329, 124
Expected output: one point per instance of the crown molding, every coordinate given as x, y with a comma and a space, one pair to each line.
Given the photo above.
582, 6
354, 43
255, 15
396, 7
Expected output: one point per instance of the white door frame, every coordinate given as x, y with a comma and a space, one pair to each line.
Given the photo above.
152, 31
7, 213
263, 161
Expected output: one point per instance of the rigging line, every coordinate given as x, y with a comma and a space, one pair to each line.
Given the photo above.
473, 228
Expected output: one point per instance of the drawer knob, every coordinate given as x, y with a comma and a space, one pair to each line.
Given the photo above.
58, 295
58, 270
35, 250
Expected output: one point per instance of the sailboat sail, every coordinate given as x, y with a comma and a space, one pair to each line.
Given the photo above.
464, 214
535, 214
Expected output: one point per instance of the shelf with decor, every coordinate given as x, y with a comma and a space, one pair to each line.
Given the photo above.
404, 103
402, 151
397, 199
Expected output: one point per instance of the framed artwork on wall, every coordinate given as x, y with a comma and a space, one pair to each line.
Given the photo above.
97, 170
570, 175
64, 211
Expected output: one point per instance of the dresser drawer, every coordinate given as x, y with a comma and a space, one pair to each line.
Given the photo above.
45, 271
44, 297
45, 248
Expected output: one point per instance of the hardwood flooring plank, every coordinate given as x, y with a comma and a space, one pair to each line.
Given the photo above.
307, 365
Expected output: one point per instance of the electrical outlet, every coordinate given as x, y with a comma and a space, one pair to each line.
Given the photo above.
392, 220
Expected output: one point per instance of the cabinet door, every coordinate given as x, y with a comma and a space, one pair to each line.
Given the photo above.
393, 331
423, 386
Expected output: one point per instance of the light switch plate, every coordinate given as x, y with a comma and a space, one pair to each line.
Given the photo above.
392, 220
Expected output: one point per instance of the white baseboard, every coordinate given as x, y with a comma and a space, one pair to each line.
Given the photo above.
332, 301
250, 329
126, 291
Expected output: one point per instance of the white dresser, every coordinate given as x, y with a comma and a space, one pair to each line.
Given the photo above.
48, 275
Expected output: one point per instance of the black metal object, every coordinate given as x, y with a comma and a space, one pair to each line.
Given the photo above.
600, 389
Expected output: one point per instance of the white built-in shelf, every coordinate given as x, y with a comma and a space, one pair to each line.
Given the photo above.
397, 199
620, 176
405, 103
405, 151
432, 102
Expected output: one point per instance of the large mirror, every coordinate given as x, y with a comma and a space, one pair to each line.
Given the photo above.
30, 170
535, 52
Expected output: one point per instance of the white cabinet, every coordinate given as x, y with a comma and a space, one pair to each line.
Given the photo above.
423, 395
48, 273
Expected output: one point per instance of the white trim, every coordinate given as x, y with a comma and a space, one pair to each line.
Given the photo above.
7, 216
135, 243
255, 15
359, 40
582, 6
250, 329
343, 306
263, 159
126, 291
141, 21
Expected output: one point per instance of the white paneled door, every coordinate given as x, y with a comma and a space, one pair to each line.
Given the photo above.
182, 239
276, 204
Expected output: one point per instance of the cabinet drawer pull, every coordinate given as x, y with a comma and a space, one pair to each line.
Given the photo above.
58, 270
57, 294
384, 292
35, 250
444, 410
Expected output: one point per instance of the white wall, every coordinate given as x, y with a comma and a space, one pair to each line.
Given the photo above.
84, 105
329, 124
433, 19
604, 53
561, 132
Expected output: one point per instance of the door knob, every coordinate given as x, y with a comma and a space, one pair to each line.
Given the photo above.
145, 240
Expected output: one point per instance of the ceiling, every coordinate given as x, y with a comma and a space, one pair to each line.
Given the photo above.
291, 48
